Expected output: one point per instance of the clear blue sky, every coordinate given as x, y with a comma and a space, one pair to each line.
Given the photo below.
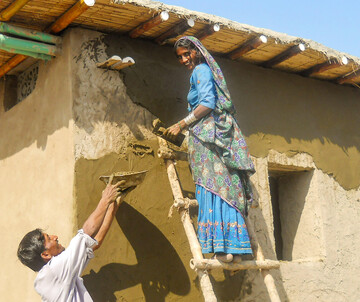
333, 23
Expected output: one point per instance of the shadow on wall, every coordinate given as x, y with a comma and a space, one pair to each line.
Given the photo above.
159, 269
157, 81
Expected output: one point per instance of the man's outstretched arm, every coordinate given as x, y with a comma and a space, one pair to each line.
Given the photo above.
105, 226
109, 217
96, 218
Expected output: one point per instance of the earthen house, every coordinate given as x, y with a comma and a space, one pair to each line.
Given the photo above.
66, 122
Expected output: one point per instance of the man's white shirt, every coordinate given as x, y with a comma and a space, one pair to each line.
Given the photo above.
59, 279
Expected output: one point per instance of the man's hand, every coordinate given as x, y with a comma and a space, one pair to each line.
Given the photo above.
112, 192
123, 193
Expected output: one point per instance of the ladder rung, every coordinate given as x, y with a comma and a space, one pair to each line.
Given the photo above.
185, 202
208, 264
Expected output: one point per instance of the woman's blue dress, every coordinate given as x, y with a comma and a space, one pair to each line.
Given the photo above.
221, 227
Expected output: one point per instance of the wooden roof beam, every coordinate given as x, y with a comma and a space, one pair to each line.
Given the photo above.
349, 77
208, 31
175, 31
76, 10
12, 63
285, 55
322, 67
12, 9
249, 45
70, 15
156, 20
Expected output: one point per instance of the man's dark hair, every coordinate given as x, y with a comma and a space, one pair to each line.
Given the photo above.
30, 249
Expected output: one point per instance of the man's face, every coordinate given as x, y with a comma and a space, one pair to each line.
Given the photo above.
52, 247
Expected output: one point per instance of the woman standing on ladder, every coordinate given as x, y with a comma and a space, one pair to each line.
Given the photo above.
218, 155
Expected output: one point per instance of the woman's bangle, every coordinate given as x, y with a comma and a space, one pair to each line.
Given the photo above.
179, 124
190, 118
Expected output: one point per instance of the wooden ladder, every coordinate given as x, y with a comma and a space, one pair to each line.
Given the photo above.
198, 263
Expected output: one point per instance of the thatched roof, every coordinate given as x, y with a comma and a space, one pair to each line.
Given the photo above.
234, 40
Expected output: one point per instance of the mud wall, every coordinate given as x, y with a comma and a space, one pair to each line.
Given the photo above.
36, 172
145, 255
278, 112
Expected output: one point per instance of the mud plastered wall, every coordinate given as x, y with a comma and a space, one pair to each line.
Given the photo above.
319, 261
146, 255
36, 171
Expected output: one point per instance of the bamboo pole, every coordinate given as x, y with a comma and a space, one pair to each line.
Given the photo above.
29, 46
29, 33
207, 264
195, 247
12, 9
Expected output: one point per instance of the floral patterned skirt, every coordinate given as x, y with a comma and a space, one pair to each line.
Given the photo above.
221, 228
208, 167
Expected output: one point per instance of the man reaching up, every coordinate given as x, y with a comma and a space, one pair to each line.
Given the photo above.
59, 268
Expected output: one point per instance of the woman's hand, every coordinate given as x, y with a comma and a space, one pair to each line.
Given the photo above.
173, 130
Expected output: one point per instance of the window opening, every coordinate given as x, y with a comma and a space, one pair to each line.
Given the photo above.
288, 190
18, 87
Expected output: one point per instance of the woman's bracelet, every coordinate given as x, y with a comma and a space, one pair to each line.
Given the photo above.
190, 118
179, 124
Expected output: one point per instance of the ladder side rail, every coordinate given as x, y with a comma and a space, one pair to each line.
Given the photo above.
268, 278
204, 279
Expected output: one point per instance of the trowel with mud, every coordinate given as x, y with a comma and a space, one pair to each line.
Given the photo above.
130, 180
159, 129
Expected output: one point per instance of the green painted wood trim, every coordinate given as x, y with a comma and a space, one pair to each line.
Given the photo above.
29, 33
27, 53
25, 45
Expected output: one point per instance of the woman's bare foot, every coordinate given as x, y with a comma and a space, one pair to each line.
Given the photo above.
223, 257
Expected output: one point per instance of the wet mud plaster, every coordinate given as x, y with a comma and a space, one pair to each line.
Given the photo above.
145, 255
105, 117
